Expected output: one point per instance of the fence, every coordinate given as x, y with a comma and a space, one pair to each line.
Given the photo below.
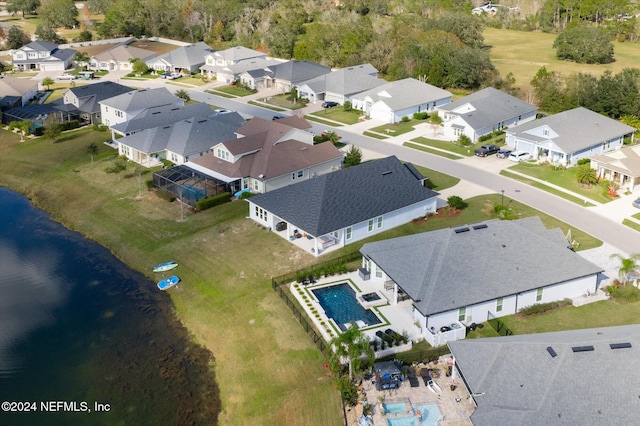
498, 325
122, 40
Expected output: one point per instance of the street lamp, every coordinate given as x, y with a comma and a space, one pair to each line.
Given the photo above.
502, 200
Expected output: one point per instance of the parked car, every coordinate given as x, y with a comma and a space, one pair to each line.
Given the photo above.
636, 203
519, 156
504, 153
281, 226
486, 150
66, 77
277, 117
171, 75
329, 104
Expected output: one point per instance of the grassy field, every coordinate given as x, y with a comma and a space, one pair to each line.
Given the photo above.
268, 370
523, 53
338, 114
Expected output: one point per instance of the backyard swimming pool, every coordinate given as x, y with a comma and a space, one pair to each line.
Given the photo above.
339, 302
430, 415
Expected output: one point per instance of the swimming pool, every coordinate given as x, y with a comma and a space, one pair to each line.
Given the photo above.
430, 416
395, 407
339, 302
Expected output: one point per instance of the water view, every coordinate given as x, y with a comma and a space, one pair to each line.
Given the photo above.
86, 340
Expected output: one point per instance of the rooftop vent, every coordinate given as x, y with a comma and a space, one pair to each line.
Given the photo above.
202, 121
620, 345
481, 226
174, 109
154, 113
304, 149
166, 127
582, 348
461, 230
388, 172
551, 352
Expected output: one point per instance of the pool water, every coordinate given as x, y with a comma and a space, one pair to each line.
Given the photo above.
395, 407
403, 421
339, 302
370, 297
430, 416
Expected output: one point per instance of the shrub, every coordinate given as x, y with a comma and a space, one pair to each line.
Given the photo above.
347, 106
166, 195
456, 202
464, 140
583, 161
544, 307
207, 203
405, 119
624, 294
149, 183
421, 115
99, 127
68, 125
118, 166
245, 195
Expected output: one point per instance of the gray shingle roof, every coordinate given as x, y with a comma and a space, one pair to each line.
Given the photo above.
186, 56
186, 137
91, 94
143, 98
346, 197
517, 382
122, 53
238, 53
490, 106
502, 259
162, 115
406, 93
346, 81
297, 71
576, 129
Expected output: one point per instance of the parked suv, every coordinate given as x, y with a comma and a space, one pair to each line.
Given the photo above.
504, 153
519, 156
329, 104
486, 150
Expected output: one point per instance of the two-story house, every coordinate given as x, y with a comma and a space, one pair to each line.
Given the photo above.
217, 64
121, 108
43, 56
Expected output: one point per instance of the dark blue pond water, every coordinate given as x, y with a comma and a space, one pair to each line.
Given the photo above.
77, 327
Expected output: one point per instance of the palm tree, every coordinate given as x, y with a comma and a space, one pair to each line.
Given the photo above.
24, 126
92, 150
586, 175
47, 81
627, 265
182, 94
353, 346
81, 59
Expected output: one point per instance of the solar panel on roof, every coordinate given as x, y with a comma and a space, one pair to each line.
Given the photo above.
461, 230
582, 348
551, 352
620, 345
481, 226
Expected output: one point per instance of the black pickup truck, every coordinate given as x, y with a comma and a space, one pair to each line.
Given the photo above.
486, 150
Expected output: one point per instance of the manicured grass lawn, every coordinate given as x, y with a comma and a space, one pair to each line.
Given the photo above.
636, 216
375, 135
546, 188
396, 129
425, 148
268, 370
631, 224
311, 117
339, 114
234, 90
189, 81
523, 53
564, 178
467, 151
437, 180
221, 94
283, 101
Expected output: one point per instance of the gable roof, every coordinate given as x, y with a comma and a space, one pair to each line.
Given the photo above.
297, 71
186, 137
346, 81
143, 98
11, 86
346, 197
625, 160
516, 381
186, 56
406, 93
41, 46
162, 115
123, 53
501, 258
576, 129
237, 53
90, 95
487, 107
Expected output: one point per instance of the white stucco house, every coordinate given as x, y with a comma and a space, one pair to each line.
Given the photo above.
220, 64
340, 85
621, 167
483, 112
566, 137
43, 56
185, 59
392, 101
282, 76
348, 205
459, 276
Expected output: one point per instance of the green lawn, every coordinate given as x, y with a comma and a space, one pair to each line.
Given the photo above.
449, 146
375, 135
267, 106
437, 180
523, 53
546, 188
283, 101
232, 90
631, 225
221, 94
395, 129
339, 114
268, 370
425, 148
565, 178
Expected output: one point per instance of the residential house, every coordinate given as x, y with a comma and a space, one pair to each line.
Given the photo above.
216, 63
180, 141
185, 59
119, 58
340, 85
121, 108
391, 102
159, 116
483, 112
283, 76
574, 377
348, 205
455, 277
16, 92
42, 56
621, 167
83, 102
268, 155
566, 137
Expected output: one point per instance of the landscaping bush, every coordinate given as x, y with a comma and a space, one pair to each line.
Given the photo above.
207, 203
118, 166
100, 127
347, 106
623, 294
583, 161
166, 195
405, 119
245, 195
464, 140
421, 115
456, 202
544, 307
149, 183
38, 131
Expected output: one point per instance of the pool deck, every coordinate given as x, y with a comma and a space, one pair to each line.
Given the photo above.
453, 413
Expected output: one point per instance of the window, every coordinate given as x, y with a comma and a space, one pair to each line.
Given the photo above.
370, 227
221, 153
262, 214
348, 233
545, 132
462, 314
378, 272
499, 304
379, 222
458, 132
538, 295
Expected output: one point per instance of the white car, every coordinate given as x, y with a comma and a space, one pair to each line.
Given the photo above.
519, 156
66, 77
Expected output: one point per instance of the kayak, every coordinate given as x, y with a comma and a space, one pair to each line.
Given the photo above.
168, 282
163, 267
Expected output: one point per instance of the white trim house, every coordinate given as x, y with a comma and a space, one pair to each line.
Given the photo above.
456, 277
483, 112
566, 137
121, 108
347, 205
340, 85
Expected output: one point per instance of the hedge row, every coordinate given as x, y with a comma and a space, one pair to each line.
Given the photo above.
207, 203
544, 307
